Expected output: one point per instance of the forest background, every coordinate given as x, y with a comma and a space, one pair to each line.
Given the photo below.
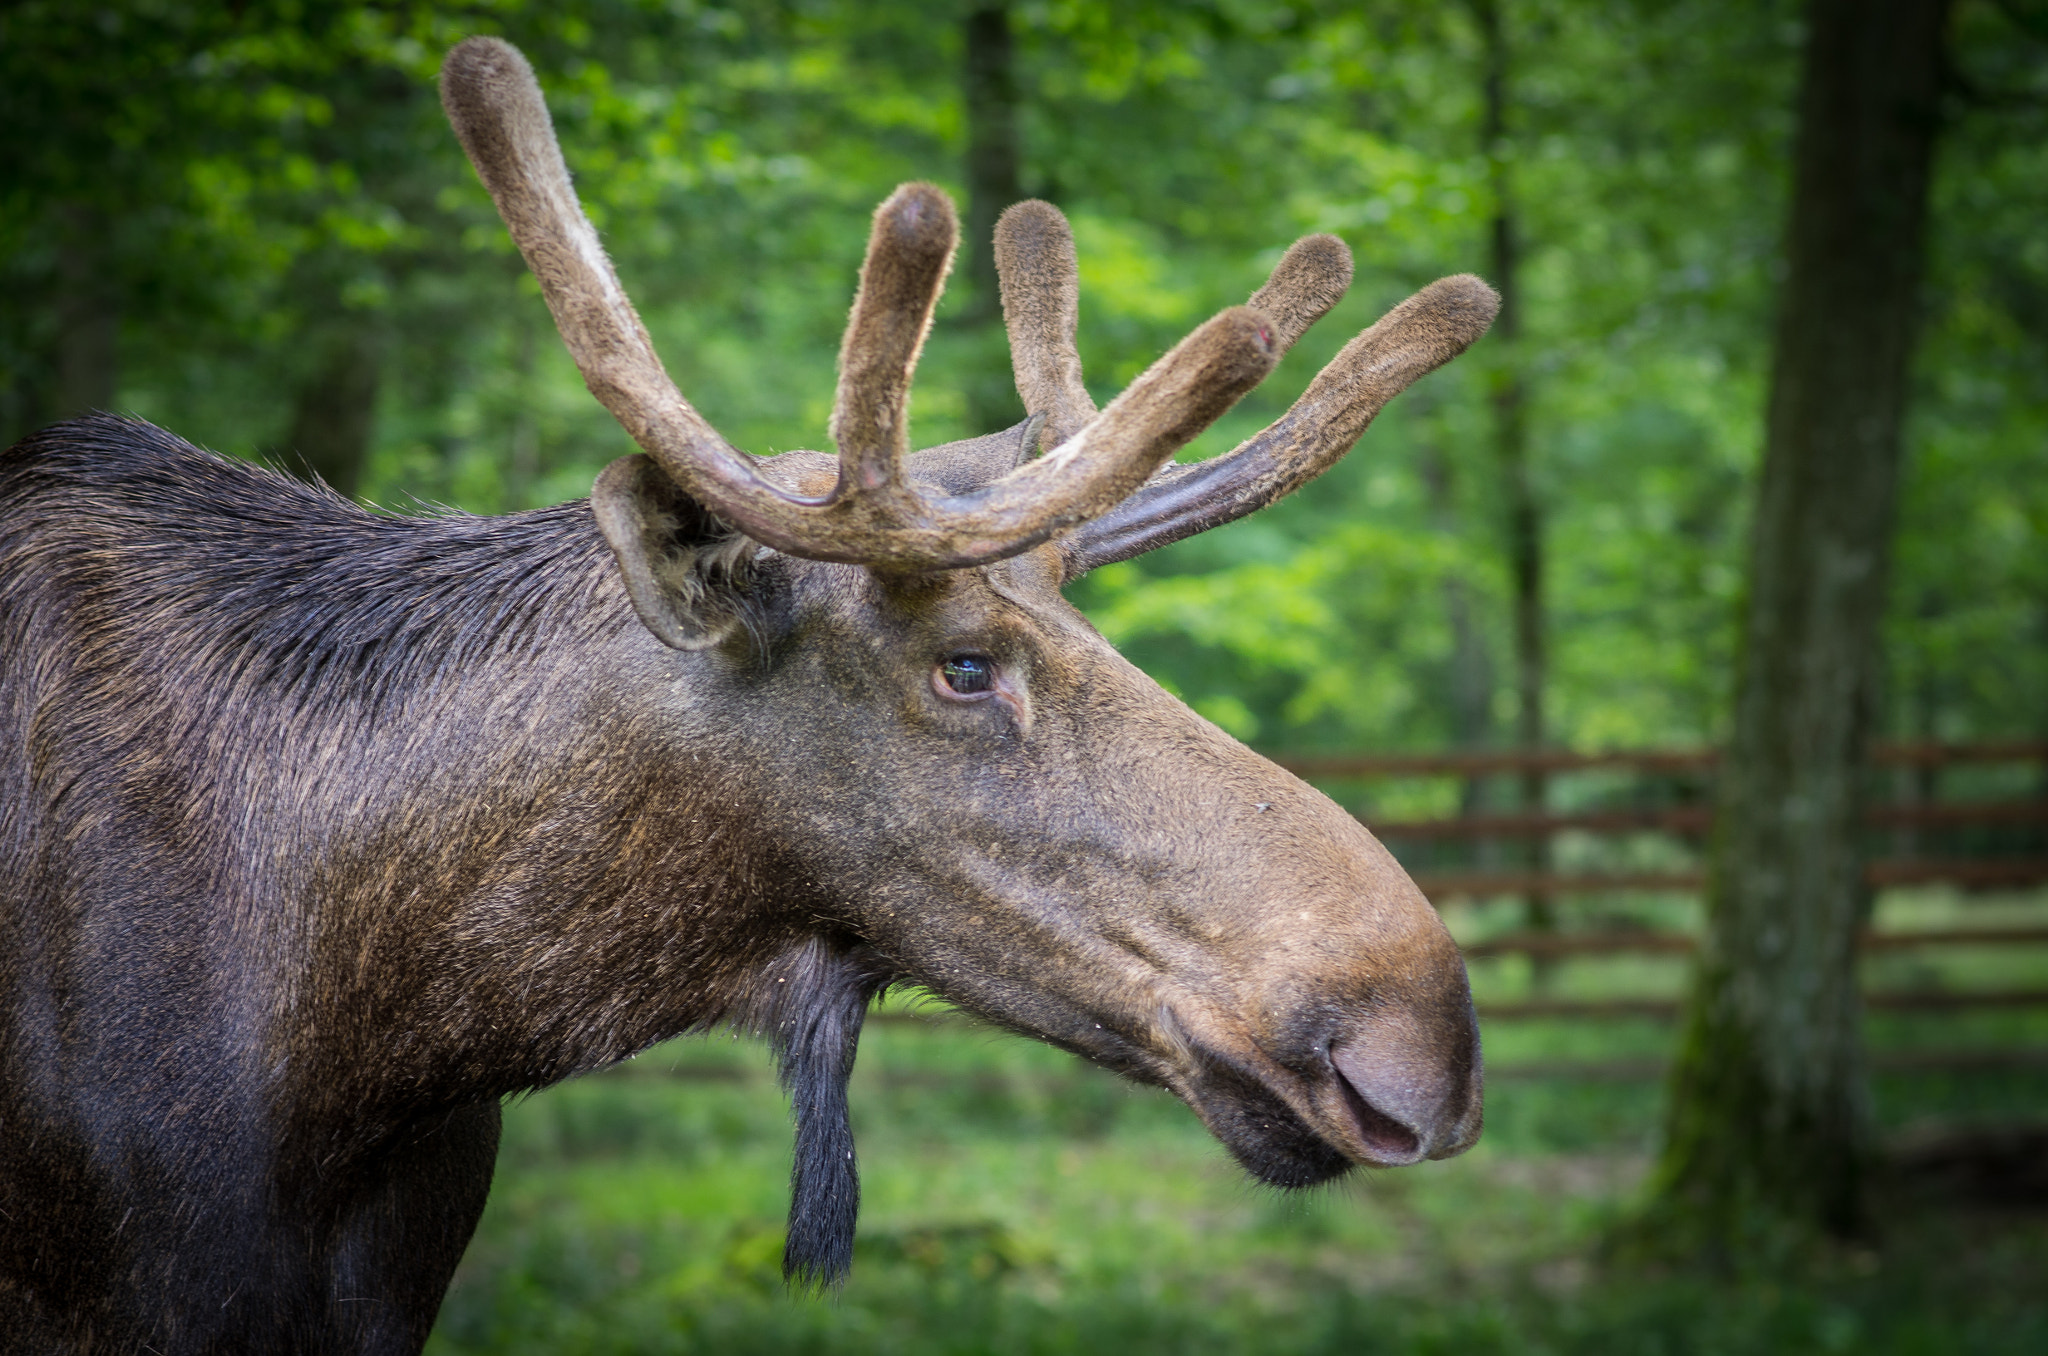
250, 224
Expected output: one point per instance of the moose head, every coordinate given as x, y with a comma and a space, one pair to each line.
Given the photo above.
1006, 811
968, 787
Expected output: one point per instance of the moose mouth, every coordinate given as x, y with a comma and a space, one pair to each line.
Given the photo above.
1386, 1086
1364, 1096
1353, 1118
1267, 1137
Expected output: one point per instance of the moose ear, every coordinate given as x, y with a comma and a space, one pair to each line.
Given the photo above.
683, 568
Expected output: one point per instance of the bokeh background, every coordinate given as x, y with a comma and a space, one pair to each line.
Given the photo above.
249, 223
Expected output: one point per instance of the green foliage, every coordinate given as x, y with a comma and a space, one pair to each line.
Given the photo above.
254, 176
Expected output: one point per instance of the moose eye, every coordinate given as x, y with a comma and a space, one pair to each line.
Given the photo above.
968, 674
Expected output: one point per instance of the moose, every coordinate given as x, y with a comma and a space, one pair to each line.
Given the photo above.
323, 831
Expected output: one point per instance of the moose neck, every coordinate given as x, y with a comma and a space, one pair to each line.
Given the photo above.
513, 850
575, 898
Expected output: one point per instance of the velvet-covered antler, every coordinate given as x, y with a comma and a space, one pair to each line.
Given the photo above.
1042, 306
875, 515
1035, 258
1409, 342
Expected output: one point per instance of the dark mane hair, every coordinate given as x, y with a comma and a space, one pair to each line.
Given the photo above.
274, 586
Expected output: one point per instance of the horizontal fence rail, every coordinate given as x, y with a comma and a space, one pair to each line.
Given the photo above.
1664, 1009
1980, 874
1619, 943
1525, 834
1689, 822
1695, 820
1493, 762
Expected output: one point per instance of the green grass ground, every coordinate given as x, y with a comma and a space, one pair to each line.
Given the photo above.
1017, 1201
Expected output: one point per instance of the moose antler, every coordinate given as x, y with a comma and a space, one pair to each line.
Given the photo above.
874, 515
1407, 343
1035, 259
1041, 286
1042, 303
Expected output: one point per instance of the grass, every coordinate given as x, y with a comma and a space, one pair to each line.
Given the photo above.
1017, 1201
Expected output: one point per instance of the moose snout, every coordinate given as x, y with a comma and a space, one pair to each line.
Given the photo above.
1409, 1091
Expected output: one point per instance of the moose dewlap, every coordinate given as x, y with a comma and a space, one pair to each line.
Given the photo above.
322, 832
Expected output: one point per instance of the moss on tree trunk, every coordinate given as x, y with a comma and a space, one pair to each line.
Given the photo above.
1769, 1134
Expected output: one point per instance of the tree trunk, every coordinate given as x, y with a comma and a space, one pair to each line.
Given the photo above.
992, 172
1768, 1131
1510, 400
88, 317
335, 409
993, 183
1468, 686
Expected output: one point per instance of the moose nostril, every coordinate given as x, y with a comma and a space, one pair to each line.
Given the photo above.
1398, 1096
1384, 1135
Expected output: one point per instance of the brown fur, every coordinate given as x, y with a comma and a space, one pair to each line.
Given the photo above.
324, 831
1310, 278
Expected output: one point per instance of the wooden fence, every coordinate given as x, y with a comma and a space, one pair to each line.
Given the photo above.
1912, 823
1690, 821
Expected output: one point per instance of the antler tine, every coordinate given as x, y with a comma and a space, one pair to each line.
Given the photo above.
1310, 278
1041, 287
874, 517
495, 106
1415, 338
910, 251
1155, 416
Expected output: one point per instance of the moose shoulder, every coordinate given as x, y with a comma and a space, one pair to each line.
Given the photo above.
321, 832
